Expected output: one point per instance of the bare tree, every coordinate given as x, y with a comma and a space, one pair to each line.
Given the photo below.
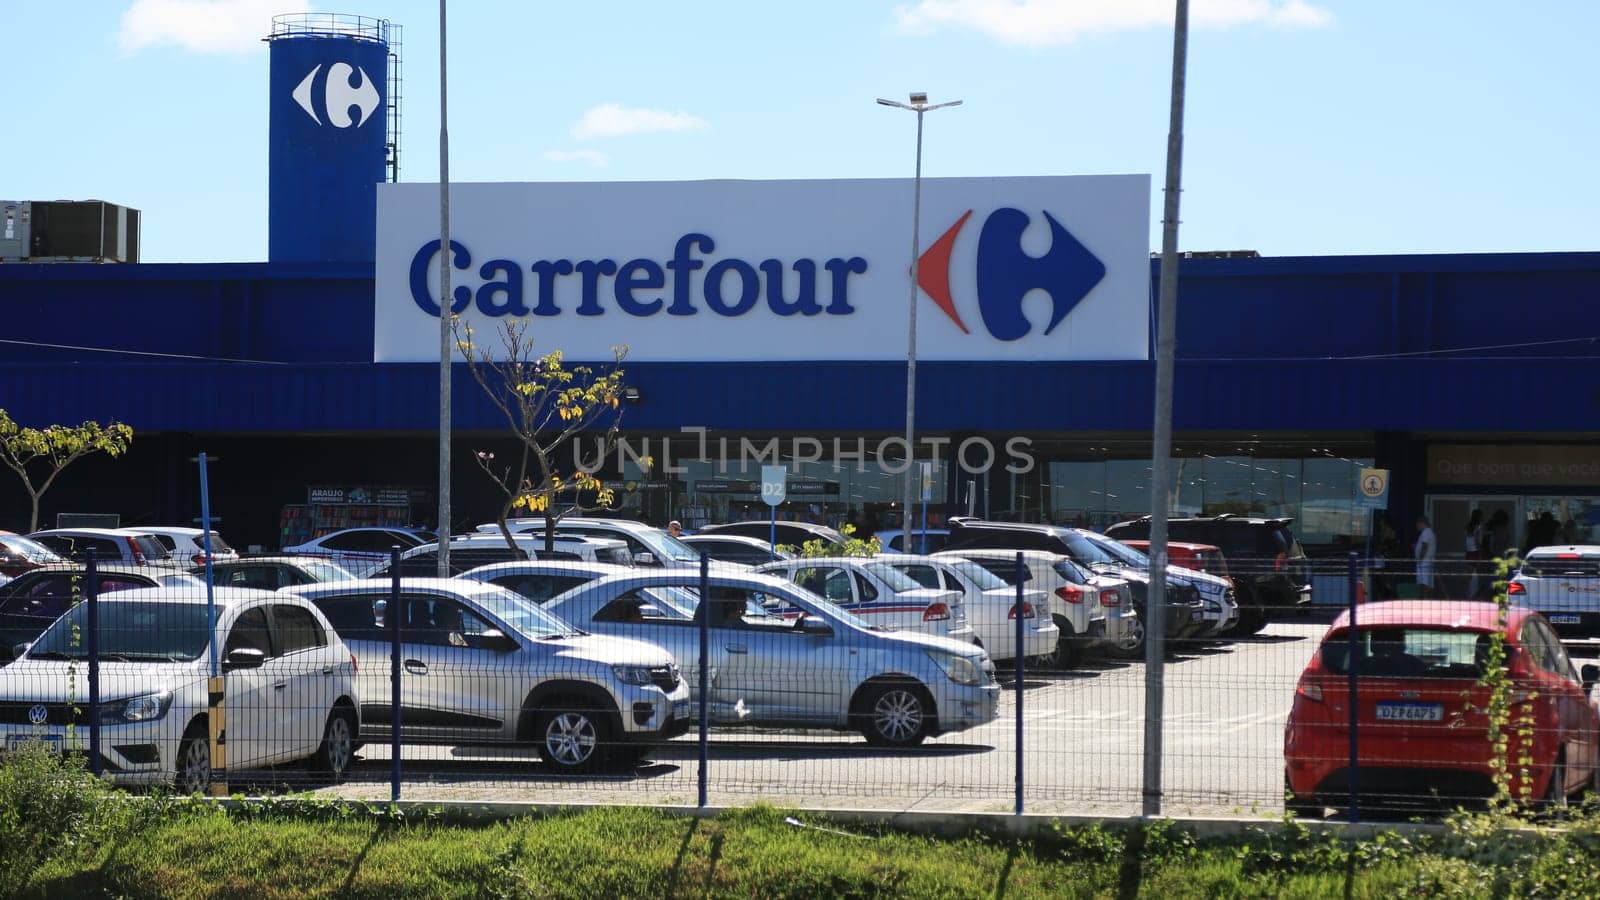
546, 404
38, 455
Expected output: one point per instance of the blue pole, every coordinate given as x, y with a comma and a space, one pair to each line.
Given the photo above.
91, 577
393, 613
1354, 645
1017, 652
772, 532
922, 538
205, 535
705, 666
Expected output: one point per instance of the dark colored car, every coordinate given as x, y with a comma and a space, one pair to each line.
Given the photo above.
733, 548
1271, 574
793, 534
1185, 606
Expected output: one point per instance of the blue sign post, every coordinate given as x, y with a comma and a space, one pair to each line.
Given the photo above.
774, 488
927, 494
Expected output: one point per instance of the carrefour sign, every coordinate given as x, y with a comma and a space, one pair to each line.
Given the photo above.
1008, 268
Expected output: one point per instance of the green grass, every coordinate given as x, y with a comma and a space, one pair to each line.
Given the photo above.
62, 834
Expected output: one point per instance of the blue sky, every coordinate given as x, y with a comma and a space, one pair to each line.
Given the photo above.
1313, 126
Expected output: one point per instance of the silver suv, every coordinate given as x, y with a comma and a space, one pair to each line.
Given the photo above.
780, 655
482, 665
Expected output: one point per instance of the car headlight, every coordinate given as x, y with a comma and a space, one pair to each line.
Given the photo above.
960, 669
636, 675
147, 708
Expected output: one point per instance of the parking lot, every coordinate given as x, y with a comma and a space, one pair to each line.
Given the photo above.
1083, 730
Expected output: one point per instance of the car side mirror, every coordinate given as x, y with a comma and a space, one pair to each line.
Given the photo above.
496, 640
815, 625
1591, 674
644, 558
243, 658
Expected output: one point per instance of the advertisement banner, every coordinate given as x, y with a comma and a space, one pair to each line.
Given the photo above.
1038, 268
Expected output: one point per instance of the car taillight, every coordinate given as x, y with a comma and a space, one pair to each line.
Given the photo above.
198, 559
1277, 564
1110, 599
133, 547
936, 612
1070, 593
1569, 556
1027, 611
1516, 587
1309, 691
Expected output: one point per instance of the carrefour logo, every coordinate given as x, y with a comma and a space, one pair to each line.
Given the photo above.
691, 279
1007, 273
340, 94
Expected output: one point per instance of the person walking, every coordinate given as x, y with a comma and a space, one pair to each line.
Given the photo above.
1424, 551
1472, 543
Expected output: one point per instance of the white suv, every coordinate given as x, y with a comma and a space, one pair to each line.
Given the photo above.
1563, 584
291, 690
484, 666
1089, 609
991, 604
878, 593
187, 545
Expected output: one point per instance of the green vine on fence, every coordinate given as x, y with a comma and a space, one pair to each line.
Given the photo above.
1509, 709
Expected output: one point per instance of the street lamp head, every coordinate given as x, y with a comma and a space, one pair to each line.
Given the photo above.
918, 98
883, 102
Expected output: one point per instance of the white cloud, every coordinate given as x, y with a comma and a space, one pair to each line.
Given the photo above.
611, 120
592, 157
1041, 23
202, 26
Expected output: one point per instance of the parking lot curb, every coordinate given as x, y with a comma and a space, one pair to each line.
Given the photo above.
944, 824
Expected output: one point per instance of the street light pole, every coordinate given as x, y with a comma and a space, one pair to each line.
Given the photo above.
918, 105
443, 525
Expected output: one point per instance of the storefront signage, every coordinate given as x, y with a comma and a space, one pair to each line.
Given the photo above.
1374, 489
1511, 465
1014, 268
362, 495
726, 487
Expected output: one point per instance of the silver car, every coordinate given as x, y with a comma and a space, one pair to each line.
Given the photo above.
781, 656
481, 665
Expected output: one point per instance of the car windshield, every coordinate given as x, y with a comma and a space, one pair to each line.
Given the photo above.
144, 630
898, 581
665, 546
1086, 552
30, 550
1409, 652
520, 613
978, 575
326, 571
1123, 552
150, 548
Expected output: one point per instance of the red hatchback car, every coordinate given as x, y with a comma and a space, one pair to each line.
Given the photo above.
1422, 735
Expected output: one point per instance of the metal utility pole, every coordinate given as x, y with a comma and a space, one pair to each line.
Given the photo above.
918, 105
443, 524
1161, 453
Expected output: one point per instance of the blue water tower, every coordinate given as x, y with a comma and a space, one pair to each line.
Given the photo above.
333, 124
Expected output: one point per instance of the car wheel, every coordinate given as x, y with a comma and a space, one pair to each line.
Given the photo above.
338, 745
1555, 794
896, 715
192, 771
1131, 646
572, 739
1069, 649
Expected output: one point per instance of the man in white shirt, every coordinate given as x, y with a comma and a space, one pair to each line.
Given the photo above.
1424, 552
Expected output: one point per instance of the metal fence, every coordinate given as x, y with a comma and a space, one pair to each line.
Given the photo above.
828, 684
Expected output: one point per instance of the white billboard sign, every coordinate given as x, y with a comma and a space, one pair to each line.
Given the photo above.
1042, 268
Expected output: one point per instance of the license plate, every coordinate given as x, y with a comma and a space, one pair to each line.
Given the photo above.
1565, 619
680, 709
1410, 712
51, 742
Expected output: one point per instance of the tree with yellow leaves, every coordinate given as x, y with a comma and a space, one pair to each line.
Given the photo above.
546, 403
38, 455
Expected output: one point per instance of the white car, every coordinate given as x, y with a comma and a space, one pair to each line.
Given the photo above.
1221, 610
187, 545
879, 593
115, 545
1090, 610
290, 686
359, 549
781, 656
1563, 584
649, 545
469, 551
991, 604
481, 665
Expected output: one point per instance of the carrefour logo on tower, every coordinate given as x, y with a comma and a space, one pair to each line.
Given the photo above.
1019, 268
341, 90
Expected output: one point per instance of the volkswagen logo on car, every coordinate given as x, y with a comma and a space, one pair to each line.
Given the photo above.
38, 713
